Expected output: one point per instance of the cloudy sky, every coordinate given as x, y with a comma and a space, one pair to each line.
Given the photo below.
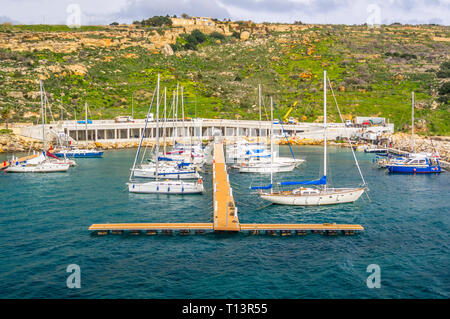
307, 11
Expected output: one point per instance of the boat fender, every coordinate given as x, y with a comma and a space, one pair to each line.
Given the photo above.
414, 170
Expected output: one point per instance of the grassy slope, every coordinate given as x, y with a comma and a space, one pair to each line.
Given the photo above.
221, 79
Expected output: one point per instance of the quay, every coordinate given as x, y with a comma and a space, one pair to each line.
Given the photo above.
225, 215
109, 131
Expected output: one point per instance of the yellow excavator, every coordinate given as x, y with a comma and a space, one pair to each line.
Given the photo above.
290, 120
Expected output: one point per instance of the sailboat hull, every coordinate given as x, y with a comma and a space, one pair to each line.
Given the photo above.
39, 168
180, 188
329, 197
151, 173
405, 169
80, 154
267, 168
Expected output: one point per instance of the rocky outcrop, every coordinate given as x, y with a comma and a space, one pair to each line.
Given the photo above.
439, 144
15, 143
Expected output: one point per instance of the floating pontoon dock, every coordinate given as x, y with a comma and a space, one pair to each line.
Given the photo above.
225, 215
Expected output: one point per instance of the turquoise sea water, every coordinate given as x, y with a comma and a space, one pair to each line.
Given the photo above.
44, 222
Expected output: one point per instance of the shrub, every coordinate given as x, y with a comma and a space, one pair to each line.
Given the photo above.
444, 71
157, 21
198, 35
217, 35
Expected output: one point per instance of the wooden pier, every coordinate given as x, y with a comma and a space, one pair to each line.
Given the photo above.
225, 215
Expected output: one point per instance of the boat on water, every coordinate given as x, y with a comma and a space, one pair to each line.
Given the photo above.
40, 164
416, 164
321, 194
75, 152
167, 187
179, 171
78, 153
45, 162
264, 167
375, 149
259, 160
160, 186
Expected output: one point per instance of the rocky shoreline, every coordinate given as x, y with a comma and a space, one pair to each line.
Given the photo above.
10, 143
435, 144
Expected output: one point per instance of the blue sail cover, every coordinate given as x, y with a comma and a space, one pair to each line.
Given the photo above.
321, 181
160, 158
183, 164
262, 187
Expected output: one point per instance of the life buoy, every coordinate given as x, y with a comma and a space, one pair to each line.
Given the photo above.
199, 181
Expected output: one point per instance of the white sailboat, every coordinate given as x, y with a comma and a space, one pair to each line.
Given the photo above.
167, 169
157, 186
321, 195
40, 164
259, 163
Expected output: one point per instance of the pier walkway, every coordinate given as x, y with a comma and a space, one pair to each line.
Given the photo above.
225, 215
225, 210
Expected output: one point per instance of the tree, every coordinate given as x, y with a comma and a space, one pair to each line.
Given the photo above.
157, 21
5, 113
185, 16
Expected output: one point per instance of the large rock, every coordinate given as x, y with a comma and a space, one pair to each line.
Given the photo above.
245, 35
167, 50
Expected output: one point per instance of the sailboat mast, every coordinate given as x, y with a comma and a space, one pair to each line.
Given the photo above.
85, 124
157, 129
176, 117
182, 114
325, 124
43, 116
412, 125
173, 116
259, 102
271, 144
165, 128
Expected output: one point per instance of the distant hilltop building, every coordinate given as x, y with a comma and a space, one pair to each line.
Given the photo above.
193, 21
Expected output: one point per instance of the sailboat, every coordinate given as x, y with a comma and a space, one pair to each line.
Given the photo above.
80, 153
415, 163
167, 169
187, 153
41, 163
157, 186
321, 195
258, 163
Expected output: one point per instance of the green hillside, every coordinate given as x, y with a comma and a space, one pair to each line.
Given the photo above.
373, 72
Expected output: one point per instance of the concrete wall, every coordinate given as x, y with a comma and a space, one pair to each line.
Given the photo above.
109, 131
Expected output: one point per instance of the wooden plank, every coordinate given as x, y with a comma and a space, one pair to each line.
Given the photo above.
151, 226
301, 227
224, 205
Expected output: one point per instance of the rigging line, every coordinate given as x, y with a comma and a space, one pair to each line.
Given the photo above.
142, 136
262, 207
265, 109
282, 126
348, 134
